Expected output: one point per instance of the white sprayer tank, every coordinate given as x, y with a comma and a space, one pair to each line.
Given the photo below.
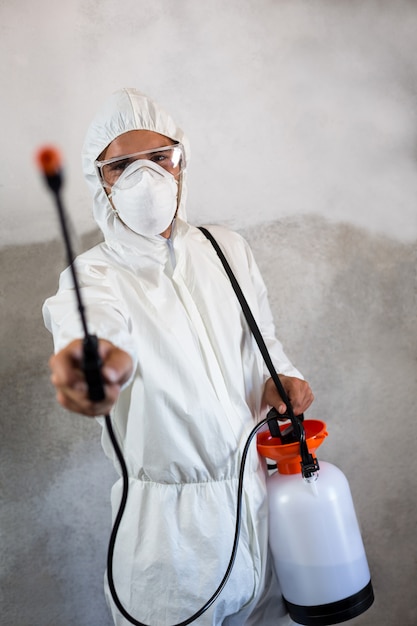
314, 536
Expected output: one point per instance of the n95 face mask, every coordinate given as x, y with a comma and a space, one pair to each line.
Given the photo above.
145, 198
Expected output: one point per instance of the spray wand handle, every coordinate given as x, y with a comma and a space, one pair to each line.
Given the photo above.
92, 364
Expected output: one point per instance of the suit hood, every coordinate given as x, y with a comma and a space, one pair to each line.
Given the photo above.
125, 110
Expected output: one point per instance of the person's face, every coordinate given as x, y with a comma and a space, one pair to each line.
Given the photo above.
135, 141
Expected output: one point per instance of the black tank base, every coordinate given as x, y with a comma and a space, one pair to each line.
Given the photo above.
335, 612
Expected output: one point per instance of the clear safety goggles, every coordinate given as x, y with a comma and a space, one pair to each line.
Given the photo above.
170, 158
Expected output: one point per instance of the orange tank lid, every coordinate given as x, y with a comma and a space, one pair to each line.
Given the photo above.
288, 456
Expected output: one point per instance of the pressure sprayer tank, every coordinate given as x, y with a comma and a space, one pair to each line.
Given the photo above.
314, 535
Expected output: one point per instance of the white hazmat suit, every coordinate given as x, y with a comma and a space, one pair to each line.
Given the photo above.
183, 419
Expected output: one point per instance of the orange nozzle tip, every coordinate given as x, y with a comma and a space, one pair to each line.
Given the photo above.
48, 159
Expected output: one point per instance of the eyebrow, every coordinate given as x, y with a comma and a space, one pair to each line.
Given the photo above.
150, 150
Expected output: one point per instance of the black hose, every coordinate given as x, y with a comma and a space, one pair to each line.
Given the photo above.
121, 510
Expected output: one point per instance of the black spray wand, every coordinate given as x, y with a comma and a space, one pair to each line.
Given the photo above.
49, 162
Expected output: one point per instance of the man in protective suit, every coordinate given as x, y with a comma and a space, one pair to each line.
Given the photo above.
184, 379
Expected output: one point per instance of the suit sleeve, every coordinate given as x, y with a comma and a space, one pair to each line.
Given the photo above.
104, 309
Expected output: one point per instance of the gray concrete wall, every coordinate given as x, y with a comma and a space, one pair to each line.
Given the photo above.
302, 120
344, 304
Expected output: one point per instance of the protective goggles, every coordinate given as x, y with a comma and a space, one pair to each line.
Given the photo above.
170, 158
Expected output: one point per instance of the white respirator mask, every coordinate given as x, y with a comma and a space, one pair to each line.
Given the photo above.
145, 198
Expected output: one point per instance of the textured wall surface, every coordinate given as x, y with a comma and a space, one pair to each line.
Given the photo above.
302, 121
344, 305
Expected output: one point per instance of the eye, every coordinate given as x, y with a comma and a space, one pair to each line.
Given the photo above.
119, 166
160, 157
112, 171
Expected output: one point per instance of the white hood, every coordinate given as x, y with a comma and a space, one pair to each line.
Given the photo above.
125, 110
